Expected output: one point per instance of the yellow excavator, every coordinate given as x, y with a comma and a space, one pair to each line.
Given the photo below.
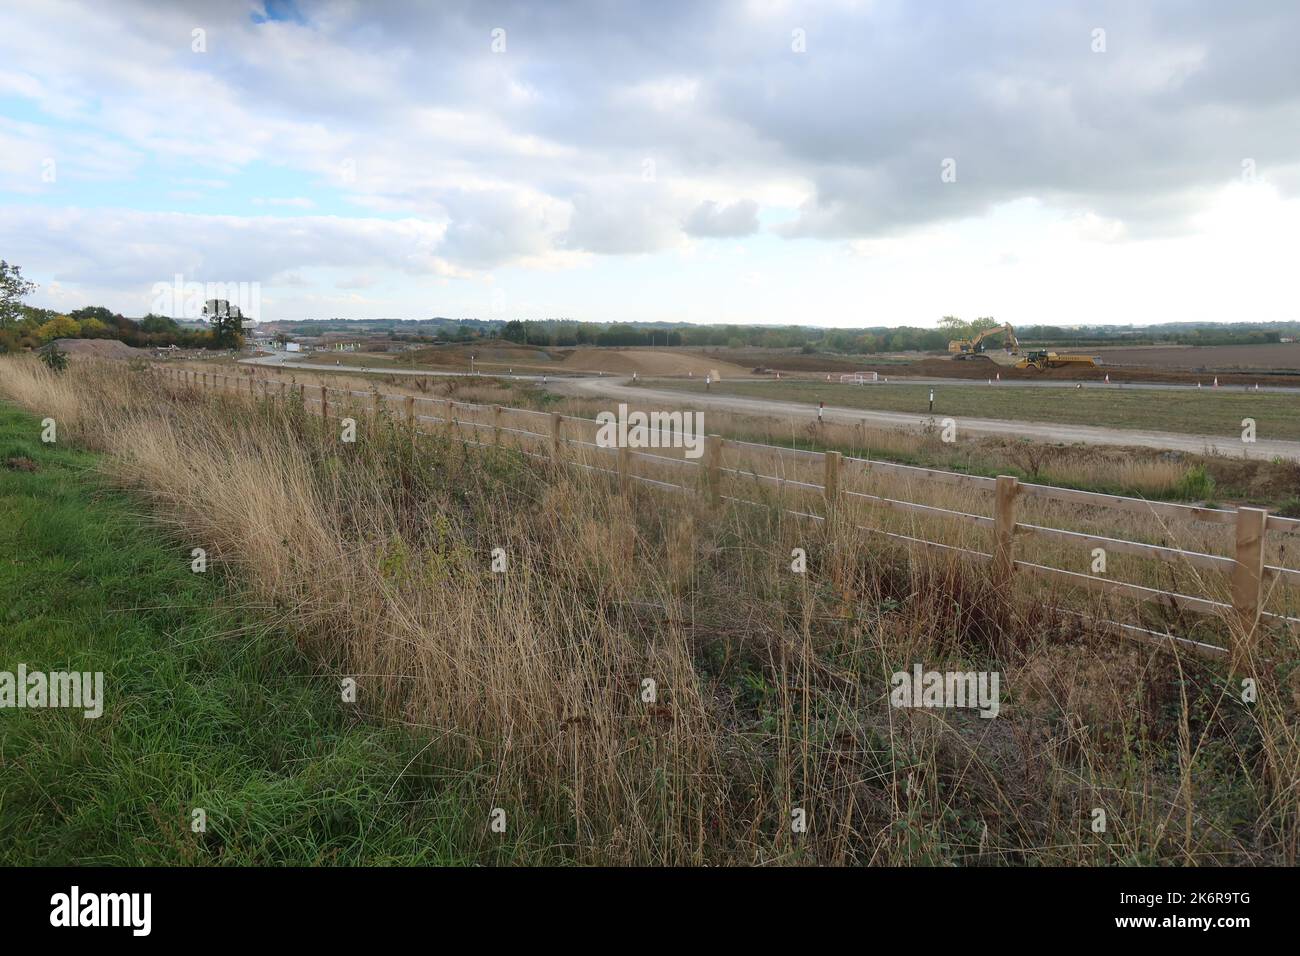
1012, 355
968, 348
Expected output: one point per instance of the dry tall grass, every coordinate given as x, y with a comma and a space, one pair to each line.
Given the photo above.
771, 687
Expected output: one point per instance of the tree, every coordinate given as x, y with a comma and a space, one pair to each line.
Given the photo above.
13, 287
107, 316
955, 328
59, 327
227, 323
158, 323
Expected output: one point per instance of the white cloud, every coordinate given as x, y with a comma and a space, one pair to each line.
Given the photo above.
123, 248
711, 220
296, 202
462, 161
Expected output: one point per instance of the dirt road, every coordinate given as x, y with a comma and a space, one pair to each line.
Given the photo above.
1083, 434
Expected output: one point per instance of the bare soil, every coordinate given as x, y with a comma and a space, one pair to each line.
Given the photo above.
1283, 357
100, 348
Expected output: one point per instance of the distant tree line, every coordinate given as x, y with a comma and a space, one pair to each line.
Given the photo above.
625, 335
1218, 335
27, 327
23, 326
36, 327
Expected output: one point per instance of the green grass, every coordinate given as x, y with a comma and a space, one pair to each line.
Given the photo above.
1205, 412
205, 707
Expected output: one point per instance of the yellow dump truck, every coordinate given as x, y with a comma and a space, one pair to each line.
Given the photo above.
1042, 358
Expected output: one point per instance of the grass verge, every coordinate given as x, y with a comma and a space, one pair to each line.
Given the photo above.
206, 708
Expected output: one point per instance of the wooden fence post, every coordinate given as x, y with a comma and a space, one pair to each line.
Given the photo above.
410, 411
1248, 580
324, 405
713, 467
496, 424
831, 478
556, 420
1004, 528
376, 401
624, 469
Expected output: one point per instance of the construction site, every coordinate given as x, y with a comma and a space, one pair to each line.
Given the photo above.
1011, 355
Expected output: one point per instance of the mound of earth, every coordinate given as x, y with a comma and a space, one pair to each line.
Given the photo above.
100, 348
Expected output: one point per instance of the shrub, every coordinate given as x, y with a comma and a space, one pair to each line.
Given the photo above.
55, 359
1196, 484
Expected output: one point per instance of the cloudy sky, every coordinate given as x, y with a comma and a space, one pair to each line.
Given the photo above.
832, 163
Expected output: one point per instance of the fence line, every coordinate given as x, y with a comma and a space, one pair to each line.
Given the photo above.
1247, 573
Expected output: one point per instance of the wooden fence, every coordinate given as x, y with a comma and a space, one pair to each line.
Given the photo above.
1249, 577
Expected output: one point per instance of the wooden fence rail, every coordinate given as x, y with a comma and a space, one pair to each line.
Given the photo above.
1247, 573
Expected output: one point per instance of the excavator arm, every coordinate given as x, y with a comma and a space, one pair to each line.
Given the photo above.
972, 346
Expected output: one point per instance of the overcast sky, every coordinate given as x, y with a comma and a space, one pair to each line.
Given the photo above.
841, 163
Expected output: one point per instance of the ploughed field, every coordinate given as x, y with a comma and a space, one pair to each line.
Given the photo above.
1232, 365
1283, 356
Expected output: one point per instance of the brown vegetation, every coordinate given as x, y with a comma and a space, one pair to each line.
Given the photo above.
771, 688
